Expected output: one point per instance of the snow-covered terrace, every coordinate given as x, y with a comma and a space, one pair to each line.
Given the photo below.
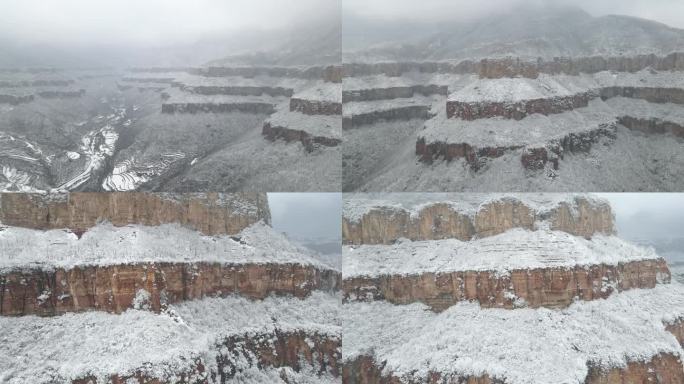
514, 249
63, 348
518, 346
106, 244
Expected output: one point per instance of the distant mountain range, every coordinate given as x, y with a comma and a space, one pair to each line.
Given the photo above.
549, 31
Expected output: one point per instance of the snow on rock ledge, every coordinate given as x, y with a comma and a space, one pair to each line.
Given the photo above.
518, 268
213, 340
54, 272
586, 342
108, 245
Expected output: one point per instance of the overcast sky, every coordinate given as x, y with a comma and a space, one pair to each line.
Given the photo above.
643, 215
670, 12
149, 21
307, 216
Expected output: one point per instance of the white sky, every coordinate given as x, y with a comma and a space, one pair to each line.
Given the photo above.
307, 215
670, 12
643, 215
148, 21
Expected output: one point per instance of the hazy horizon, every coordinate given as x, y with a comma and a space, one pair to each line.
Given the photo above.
69, 33
309, 218
663, 11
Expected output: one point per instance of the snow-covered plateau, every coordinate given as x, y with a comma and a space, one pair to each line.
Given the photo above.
106, 244
521, 346
514, 249
98, 345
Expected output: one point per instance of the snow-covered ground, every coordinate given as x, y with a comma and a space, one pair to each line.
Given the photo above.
106, 244
535, 130
633, 162
315, 125
514, 249
58, 349
518, 346
361, 107
518, 89
642, 109
381, 156
328, 92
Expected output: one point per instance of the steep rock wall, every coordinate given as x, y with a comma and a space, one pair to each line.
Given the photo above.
397, 113
209, 213
441, 221
540, 287
114, 288
516, 110
274, 132
517, 67
653, 125
315, 107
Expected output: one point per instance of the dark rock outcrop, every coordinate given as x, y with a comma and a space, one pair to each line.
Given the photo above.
516, 110
310, 142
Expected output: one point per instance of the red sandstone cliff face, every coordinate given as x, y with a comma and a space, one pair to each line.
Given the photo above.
210, 213
441, 221
114, 288
547, 287
661, 369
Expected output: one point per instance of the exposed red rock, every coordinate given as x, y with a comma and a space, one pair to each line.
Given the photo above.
540, 287
209, 213
661, 369
441, 221
114, 288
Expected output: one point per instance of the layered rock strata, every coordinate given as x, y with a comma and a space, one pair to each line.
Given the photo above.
116, 288
384, 225
516, 67
516, 110
536, 287
568, 305
210, 213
